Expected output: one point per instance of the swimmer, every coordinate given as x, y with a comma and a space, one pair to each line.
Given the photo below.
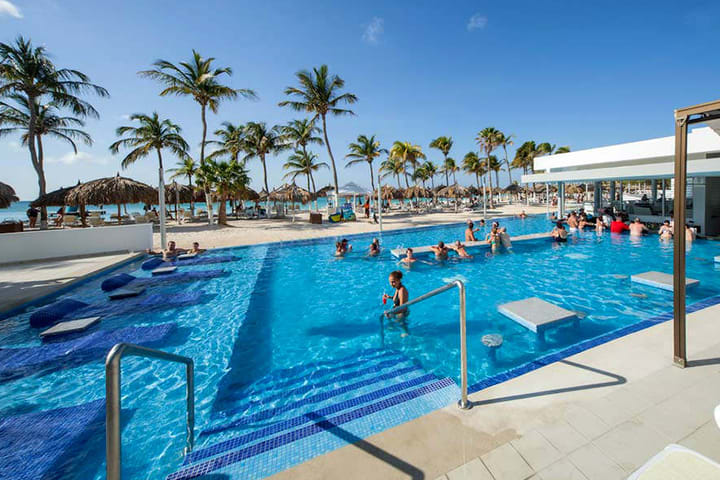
470, 232
504, 238
460, 249
170, 252
599, 226
559, 233
493, 238
339, 251
399, 298
374, 248
637, 228
665, 231
572, 221
523, 214
196, 248
409, 257
690, 234
440, 250
482, 222
346, 246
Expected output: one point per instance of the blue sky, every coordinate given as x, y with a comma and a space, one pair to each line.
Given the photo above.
582, 74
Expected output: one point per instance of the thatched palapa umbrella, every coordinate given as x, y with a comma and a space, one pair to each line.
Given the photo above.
416, 191
248, 194
453, 191
56, 198
323, 192
7, 195
388, 192
291, 193
117, 190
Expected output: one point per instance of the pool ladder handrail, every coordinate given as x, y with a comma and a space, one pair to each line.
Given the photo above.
113, 441
463, 403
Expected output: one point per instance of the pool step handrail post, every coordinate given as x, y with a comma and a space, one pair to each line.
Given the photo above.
463, 403
113, 441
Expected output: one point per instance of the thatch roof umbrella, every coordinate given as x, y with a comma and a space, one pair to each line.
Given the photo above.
263, 195
473, 190
388, 192
453, 191
248, 194
7, 195
323, 192
56, 198
416, 191
291, 193
117, 190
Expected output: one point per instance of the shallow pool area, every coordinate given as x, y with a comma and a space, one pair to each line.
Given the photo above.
291, 357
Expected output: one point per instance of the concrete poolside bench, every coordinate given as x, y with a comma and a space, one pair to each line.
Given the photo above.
400, 252
660, 280
537, 315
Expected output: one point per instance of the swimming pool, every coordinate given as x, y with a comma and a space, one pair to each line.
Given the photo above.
288, 351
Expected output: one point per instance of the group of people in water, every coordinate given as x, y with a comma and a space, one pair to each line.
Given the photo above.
579, 221
172, 250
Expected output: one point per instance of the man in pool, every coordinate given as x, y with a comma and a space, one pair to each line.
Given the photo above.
170, 252
440, 250
559, 233
399, 298
470, 232
460, 249
409, 257
196, 248
637, 228
572, 221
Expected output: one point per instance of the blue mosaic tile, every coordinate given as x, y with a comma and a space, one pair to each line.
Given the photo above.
319, 426
269, 413
304, 418
48, 444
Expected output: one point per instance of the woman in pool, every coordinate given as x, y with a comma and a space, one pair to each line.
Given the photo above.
374, 248
599, 226
493, 238
399, 298
665, 231
559, 233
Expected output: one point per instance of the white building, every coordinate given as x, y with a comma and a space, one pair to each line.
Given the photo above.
645, 160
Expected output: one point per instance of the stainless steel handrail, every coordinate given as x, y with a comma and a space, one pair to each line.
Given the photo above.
112, 399
463, 403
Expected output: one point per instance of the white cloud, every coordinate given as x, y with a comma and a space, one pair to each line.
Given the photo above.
373, 31
124, 116
477, 22
8, 8
72, 158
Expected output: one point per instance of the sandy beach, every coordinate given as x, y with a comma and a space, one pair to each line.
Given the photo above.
250, 232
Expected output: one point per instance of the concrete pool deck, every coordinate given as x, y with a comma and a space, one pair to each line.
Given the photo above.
599, 414
27, 281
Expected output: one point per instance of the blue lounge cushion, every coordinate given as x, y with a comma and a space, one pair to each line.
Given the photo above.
46, 316
152, 263
116, 281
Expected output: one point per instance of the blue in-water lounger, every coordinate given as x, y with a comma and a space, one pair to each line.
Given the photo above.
19, 362
53, 313
49, 444
124, 279
155, 262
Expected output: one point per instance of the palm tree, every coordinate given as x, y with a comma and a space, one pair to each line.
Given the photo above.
318, 94
393, 166
506, 141
27, 71
230, 143
153, 134
408, 153
488, 139
431, 170
366, 149
187, 167
444, 144
260, 142
198, 79
301, 133
473, 165
304, 163
451, 167
47, 123
565, 149
225, 179
494, 165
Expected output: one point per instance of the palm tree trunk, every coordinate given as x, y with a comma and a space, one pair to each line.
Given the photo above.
37, 162
267, 190
332, 159
454, 177
222, 210
161, 194
507, 162
192, 194
372, 177
312, 180
208, 198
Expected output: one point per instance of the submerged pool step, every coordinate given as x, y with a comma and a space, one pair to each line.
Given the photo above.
319, 425
302, 419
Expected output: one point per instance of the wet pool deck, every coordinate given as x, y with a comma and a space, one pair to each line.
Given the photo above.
599, 414
27, 281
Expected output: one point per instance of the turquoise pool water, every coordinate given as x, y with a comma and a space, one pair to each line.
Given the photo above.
292, 331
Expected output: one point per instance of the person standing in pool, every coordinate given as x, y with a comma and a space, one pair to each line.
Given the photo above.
559, 233
399, 298
665, 231
460, 249
374, 248
470, 232
409, 257
637, 228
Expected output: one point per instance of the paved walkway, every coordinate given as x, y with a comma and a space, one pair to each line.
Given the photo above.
596, 415
23, 282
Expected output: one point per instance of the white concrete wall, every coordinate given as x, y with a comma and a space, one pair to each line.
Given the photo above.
68, 242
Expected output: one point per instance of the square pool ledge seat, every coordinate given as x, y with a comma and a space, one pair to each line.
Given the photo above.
537, 315
660, 280
163, 270
717, 259
71, 326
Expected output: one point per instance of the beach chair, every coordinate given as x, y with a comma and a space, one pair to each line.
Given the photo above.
95, 221
141, 219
